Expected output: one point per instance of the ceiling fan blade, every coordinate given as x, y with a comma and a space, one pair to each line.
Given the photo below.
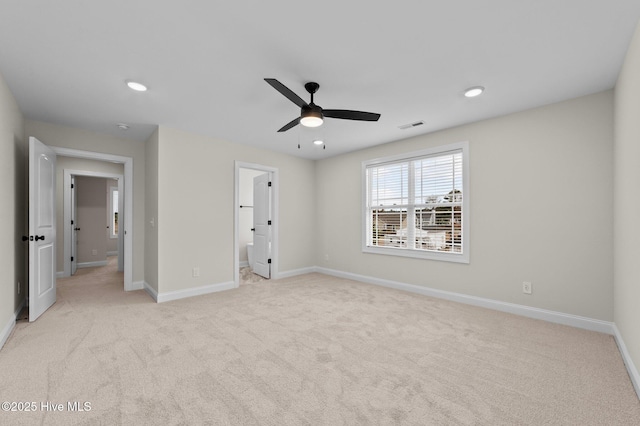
292, 123
350, 115
288, 93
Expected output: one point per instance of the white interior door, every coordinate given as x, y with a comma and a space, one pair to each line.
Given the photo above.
262, 226
42, 228
74, 227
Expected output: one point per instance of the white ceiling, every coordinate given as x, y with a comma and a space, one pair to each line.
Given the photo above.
205, 63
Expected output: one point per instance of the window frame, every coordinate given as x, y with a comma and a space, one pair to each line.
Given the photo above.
417, 253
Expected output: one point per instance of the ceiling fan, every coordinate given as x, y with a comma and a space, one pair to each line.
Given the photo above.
312, 115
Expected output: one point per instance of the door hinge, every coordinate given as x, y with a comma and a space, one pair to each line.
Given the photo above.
72, 258
269, 184
72, 222
269, 222
71, 186
269, 261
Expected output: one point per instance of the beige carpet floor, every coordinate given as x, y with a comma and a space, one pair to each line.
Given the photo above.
248, 277
308, 350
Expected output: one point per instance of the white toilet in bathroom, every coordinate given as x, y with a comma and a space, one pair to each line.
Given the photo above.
250, 254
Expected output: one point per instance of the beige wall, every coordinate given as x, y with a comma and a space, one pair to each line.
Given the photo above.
195, 205
13, 193
151, 212
627, 201
70, 163
541, 191
69, 137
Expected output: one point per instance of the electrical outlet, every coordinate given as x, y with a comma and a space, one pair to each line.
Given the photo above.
527, 287
196, 272
94, 252
326, 258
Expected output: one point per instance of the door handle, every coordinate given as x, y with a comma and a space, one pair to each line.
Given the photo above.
25, 238
39, 237
77, 229
253, 229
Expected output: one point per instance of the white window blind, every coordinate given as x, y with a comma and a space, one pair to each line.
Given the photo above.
416, 204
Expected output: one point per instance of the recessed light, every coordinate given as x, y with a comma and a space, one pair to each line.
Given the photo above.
318, 142
472, 92
138, 87
122, 126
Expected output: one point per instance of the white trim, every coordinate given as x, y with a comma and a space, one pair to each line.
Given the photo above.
150, 291
244, 263
127, 210
11, 324
60, 274
191, 292
275, 211
93, 264
512, 308
628, 362
296, 272
137, 285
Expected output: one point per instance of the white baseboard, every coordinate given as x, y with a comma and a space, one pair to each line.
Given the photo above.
525, 311
190, 292
628, 362
60, 274
295, 272
151, 291
10, 325
92, 264
136, 285
243, 263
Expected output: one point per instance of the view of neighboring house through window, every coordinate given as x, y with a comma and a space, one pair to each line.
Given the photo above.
415, 204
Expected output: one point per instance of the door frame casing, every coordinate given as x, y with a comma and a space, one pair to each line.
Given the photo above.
275, 188
128, 202
66, 211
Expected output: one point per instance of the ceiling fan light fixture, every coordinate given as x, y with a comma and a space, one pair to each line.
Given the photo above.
311, 116
311, 121
472, 92
318, 142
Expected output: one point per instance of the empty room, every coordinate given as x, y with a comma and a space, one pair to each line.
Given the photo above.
341, 213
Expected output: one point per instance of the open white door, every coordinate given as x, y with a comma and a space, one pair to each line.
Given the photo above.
74, 227
262, 226
42, 228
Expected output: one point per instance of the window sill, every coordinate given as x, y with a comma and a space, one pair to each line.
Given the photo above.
419, 254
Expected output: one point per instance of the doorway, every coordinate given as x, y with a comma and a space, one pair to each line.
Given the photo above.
265, 252
125, 214
91, 206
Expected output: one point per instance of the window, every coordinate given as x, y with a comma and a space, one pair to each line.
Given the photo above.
416, 205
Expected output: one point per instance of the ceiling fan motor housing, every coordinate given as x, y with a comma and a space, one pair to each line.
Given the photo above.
311, 110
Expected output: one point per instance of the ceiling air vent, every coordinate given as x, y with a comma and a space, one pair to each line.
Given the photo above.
410, 125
